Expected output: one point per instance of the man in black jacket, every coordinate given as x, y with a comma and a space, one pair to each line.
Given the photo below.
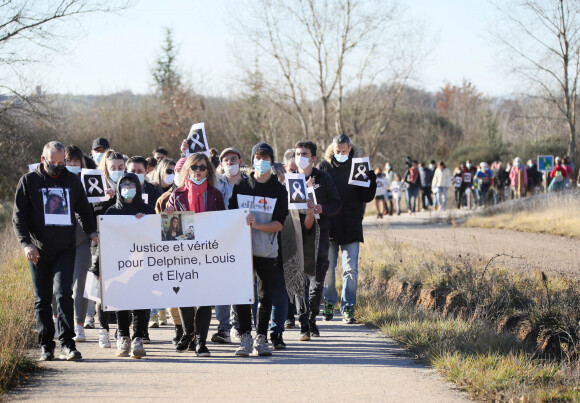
346, 230
48, 234
327, 206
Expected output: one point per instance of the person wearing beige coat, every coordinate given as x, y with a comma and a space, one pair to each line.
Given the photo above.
441, 182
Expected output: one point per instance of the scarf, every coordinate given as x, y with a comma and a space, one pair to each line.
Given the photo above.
196, 196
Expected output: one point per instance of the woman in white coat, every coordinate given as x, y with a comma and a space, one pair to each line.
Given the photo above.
441, 182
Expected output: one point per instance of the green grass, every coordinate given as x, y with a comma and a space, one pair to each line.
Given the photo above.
465, 347
16, 313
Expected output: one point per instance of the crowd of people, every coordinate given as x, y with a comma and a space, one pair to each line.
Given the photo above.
295, 252
473, 186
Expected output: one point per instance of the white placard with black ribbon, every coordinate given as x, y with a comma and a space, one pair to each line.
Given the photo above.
297, 193
197, 140
93, 181
359, 172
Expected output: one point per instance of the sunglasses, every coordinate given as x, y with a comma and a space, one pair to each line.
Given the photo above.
169, 171
202, 168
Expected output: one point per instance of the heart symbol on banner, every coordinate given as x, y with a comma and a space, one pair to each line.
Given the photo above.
176, 289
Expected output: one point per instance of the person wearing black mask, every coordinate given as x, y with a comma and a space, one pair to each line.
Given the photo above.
49, 242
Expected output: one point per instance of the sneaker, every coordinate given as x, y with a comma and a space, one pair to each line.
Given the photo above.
290, 323
123, 346
348, 315
261, 345
153, 321
222, 337
183, 344
245, 345
304, 333
235, 336
202, 350
277, 341
192, 345
46, 354
314, 332
328, 311
79, 333
137, 350
90, 322
69, 353
178, 334
162, 317
146, 339
104, 339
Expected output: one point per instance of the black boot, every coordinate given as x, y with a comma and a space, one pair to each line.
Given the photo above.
200, 348
277, 341
178, 334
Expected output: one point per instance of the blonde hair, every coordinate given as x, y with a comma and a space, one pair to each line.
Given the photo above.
159, 171
110, 154
191, 160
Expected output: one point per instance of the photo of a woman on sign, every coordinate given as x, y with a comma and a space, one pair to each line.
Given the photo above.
54, 204
174, 231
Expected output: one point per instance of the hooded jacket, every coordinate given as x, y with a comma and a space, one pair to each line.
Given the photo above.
28, 215
121, 207
346, 226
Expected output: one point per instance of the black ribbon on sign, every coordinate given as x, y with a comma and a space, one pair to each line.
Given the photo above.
361, 171
94, 188
195, 139
297, 191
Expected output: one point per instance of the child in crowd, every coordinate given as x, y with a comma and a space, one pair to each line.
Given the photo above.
397, 188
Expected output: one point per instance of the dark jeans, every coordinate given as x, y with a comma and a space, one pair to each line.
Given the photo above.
140, 320
279, 301
459, 197
264, 269
196, 320
309, 309
103, 317
427, 196
54, 272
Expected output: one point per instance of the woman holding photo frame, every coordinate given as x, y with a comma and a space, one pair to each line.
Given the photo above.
196, 194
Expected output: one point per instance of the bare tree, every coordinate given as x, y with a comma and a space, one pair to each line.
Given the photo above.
543, 40
319, 50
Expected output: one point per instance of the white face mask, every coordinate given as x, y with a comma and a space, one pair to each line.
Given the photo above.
176, 180
168, 180
231, 170
302, 162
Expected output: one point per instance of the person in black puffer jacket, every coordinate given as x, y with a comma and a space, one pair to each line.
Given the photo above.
130, 202
346, 229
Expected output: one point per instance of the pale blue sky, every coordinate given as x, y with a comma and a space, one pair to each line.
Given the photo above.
116, 52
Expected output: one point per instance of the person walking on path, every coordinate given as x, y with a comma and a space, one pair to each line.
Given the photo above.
49, 242
346, 230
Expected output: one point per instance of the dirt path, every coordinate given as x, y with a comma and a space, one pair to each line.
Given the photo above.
349, 363
538, 251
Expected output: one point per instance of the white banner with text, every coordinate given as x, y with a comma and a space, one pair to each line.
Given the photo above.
176, 260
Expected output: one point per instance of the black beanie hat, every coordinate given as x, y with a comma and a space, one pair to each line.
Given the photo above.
263, 147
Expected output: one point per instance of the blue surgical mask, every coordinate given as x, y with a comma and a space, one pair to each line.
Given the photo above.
340, 158
141, 178
115, 175
97, 157
262, 166
128, 194
74, 170
196, 181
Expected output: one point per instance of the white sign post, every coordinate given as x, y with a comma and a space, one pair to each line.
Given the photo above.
141, 268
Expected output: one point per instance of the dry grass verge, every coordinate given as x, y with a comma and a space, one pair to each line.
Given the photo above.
16, 312
555, 214
498, 334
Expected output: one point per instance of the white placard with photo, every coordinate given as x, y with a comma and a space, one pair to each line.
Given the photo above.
197, 140
176, 260
56, 202
297, 194
312, 196
93, 181
359, 172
